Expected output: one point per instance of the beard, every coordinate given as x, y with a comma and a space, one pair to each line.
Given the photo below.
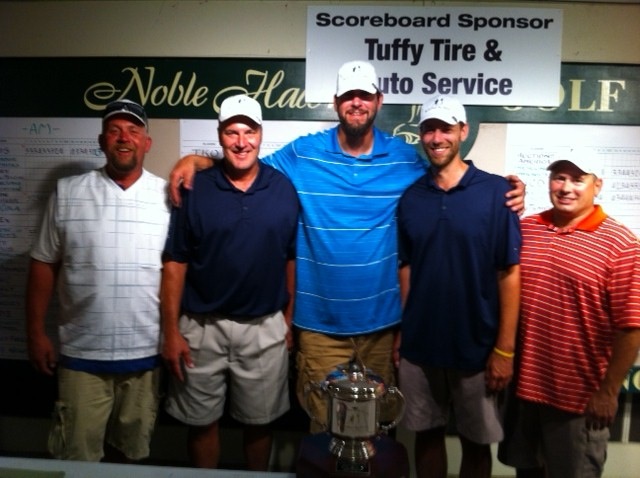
440, 162
356, 130
122, 165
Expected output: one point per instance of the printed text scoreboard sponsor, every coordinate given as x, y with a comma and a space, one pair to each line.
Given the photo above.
484, 56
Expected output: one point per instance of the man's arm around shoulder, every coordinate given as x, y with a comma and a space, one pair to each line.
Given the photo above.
183, 173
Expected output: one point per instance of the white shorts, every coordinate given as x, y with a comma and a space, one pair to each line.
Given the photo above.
249, 358
430, 393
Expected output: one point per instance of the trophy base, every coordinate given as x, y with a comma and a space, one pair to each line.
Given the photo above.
315, 459
352, 450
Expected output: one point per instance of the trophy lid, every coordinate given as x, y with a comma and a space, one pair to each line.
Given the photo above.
353, 380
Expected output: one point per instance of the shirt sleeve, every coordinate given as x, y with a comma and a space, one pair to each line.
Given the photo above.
624, 287
47, 246
283, 159
177, 244
510, 236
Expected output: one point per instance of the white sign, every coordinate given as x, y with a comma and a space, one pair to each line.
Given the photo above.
483, 56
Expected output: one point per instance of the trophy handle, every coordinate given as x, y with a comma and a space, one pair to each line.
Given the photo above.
318, 389
398, 398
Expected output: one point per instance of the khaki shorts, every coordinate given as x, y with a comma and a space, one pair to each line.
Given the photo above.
538, 435
320, 354
430, 394
119, 409
247, 360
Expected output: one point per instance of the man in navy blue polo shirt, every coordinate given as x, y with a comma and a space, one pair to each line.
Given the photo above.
226, 296
460, 284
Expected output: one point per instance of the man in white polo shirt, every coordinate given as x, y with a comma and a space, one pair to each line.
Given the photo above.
101, 241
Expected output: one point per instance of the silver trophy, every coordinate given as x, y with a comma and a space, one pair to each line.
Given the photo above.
360, 407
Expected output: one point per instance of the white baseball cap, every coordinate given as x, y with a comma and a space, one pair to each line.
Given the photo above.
356, 75
582, 159
443, 108
240, 105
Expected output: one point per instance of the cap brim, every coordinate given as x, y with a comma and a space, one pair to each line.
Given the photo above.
566, 162
124, 113
444, 116
239, 118
369, 89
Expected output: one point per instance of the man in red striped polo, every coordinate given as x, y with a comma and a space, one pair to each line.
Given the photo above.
579, 329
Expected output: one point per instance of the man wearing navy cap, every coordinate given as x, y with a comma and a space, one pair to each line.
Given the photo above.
101, 240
